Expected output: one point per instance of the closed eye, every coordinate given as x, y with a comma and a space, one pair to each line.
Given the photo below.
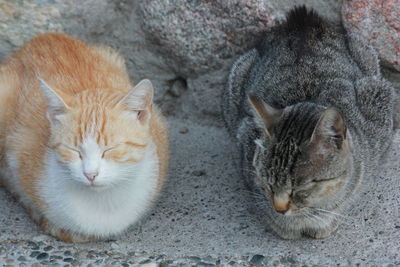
331, 179
108, 149
73, 149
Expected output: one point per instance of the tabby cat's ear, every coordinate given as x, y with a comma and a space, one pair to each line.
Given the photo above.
55, 104
140, 99
267, 115
330, 126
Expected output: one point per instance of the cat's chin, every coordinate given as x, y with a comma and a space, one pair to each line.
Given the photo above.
299, 225
97, 187
93, 187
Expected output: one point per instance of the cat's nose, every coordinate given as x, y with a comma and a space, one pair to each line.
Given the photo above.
281, 207
91, 175
281, 204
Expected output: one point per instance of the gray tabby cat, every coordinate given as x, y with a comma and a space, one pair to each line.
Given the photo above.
312, 116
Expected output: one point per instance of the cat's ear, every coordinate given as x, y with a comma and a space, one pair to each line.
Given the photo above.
267, 115
330, 126
140, 99
55, 104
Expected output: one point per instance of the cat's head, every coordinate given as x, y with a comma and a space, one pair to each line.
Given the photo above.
303, 158
99, 136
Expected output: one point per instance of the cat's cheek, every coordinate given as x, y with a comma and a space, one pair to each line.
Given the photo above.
76, 170
329, 189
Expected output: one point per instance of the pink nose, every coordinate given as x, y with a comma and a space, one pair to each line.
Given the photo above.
91, 175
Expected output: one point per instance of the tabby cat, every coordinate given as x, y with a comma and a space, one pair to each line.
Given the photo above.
312, 116
84, 151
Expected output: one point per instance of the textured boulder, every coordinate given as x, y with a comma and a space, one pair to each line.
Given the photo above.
197, 36
379, 22
184, 47
199, 39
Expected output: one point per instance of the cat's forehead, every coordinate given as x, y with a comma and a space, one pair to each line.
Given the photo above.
90, 144
104, 98
297, 123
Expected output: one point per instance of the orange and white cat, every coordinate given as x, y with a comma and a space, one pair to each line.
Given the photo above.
84, 151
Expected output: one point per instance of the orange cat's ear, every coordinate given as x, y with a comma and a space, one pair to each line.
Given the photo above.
55, 104
140, 99
267, 115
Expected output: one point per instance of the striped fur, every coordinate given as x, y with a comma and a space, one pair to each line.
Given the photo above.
83, 116
311, 116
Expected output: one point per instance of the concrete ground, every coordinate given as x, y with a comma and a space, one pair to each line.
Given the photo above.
206, 217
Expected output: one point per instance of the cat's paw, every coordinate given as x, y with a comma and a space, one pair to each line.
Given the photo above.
62, 234
321, 233
288, 234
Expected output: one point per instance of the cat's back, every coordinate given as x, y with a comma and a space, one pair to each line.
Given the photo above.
297, 56
70, 65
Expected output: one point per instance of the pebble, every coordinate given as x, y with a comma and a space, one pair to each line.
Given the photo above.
21, 258
68, 260
203, 264
114, 245
145, 261
194, 258
184, 130
199, 173
257, 259
34, 254
42, 256
48, 248
67, 253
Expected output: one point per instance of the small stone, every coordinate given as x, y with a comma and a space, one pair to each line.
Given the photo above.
98, 261
33, 245
203, 264
67, 253
184, 130
21, 258
68, 260
34, 254
114, 245
48, 248
257, 259
145, 261
194, 258
199, 173
178, 87
42, 256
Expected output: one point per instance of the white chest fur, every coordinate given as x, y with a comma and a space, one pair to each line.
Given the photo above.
99, 213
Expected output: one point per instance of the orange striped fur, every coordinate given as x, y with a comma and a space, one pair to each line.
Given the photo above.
92, 82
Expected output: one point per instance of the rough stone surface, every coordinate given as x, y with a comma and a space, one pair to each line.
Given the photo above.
379, 22
205, 217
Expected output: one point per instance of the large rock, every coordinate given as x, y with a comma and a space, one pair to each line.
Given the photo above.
184, 47
199, 39
196, 36
379, 22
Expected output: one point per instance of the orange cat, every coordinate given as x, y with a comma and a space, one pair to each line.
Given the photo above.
84, 152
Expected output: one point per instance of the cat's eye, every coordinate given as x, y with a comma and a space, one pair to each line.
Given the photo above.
75, 150
107, 150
